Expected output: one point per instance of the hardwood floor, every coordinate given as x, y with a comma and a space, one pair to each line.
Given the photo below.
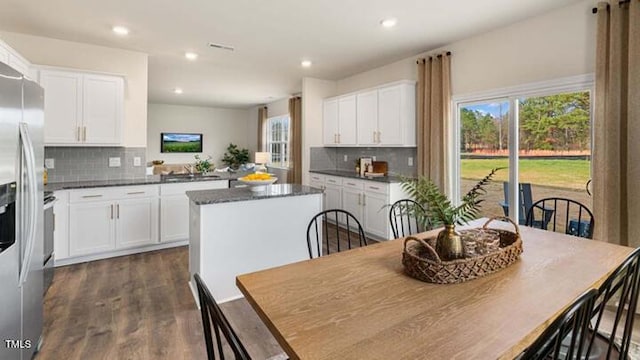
136, 307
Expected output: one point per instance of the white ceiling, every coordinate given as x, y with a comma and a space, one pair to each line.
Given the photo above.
341, 37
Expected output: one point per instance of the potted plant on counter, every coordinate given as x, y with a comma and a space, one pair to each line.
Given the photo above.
438, 210
203, 166
235, 157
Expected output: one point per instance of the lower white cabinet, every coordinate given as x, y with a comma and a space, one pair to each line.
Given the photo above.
106, 219
368, 201
91, 229
174, 207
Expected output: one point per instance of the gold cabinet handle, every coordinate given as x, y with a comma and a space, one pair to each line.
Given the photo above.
90, 196
84, 133
364, 199
118, 211
111, 211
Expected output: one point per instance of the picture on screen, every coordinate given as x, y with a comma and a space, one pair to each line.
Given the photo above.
181, 142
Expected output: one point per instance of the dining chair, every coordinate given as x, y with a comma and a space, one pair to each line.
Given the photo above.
407, 217
525, 203
212, 314
572, 325
569, 216
618, 293
320, 235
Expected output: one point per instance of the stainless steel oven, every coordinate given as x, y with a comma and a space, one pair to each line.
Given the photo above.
49, 227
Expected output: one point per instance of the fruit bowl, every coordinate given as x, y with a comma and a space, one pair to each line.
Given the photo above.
258, 182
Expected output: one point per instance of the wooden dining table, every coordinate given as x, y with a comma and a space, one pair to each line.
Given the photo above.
359, 304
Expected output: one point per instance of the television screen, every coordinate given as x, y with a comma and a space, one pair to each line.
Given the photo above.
180, 142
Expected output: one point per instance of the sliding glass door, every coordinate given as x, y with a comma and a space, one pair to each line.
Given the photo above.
543, 140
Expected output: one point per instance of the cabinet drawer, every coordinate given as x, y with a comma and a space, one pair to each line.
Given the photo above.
181, 188
376, 187
134, 192
96, 194
317, 178
333, 180
353, 184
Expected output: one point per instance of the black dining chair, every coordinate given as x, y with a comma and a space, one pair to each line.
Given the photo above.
618, 294
566, 337
212, 314
408, 217
321, 236
569, 216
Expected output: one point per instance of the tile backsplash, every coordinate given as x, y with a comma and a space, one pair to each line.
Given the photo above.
92, 163
327, 158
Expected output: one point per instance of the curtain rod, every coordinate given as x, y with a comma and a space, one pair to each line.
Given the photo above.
439, 55
595, 9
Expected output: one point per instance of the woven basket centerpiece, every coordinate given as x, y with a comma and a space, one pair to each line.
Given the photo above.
487, 250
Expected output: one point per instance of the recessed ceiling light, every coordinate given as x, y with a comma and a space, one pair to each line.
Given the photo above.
120, 30
306, 63
191, 55
389, 23
177, 91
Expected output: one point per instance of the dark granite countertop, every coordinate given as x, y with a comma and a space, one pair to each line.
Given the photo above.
207, 197
353, 175
148, 180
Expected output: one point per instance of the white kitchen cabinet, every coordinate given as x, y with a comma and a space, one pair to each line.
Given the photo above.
367, 117
376, 214
339, 121
12, 58
91, 227
330, 121
174, 208
61, 225
82, 108
381, 116
136, 222
397, 115
367, 200
106, 219
102, 111
63, 107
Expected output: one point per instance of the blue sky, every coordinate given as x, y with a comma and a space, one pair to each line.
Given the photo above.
490, 108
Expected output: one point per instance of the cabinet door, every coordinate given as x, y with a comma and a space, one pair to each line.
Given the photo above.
330, 122
102, 109
333, 197
174, 215
367, 117
62, 106
352, 202
136, 222
347, 120
376, 215
61, 225
91, 227
389, 115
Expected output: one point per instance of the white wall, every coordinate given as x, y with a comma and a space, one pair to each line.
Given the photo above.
218, 126
133, 65
557, 44
313, 91
278, 108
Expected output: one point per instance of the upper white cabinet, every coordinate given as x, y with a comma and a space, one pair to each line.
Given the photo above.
384, 116
339, 121
11, 57
81, 108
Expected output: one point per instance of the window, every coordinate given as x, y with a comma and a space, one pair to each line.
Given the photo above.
540, 132
278, 140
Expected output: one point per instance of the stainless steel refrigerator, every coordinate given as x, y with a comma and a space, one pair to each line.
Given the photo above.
21, 215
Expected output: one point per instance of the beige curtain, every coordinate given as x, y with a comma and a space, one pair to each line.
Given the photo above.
262, 125
434, 98
616, 151
294, 175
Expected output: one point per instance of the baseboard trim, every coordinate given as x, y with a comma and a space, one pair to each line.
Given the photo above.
123, 252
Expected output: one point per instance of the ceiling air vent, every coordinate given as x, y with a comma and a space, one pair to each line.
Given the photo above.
221, 46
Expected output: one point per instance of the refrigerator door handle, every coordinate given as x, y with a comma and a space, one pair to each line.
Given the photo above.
27, 146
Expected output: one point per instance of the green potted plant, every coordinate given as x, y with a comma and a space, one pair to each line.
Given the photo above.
235, 157
203, 165
438, 210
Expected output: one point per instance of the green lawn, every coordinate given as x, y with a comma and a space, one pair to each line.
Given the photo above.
192, 146
572, 174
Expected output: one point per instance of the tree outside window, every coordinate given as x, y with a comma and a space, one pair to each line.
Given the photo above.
278, 140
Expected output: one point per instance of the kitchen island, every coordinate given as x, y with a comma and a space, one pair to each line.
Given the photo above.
235, 231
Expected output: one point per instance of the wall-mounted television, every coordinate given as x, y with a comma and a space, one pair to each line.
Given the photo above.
180, 143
